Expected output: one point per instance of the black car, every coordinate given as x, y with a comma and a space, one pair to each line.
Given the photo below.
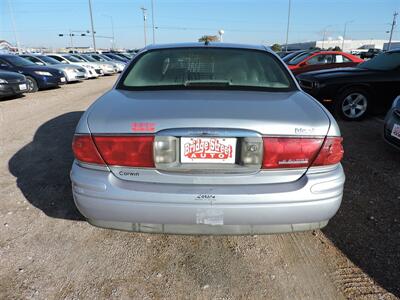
12, 84
354, 92
38, 77
391, 129
371, 53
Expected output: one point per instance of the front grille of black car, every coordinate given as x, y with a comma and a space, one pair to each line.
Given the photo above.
397, 112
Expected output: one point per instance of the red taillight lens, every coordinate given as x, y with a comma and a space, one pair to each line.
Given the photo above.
129, 151
85, 150
282, 152
331, 152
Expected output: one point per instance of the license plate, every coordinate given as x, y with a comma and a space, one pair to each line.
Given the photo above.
62, 79
23, 87
396, 131
208, 150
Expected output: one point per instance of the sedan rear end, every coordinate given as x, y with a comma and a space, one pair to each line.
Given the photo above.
207, 139
392, 124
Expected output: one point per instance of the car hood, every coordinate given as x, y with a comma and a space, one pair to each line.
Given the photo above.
271, 113
11, 76
334, 73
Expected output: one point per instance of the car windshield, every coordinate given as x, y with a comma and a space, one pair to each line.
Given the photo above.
105, 57
291, 56
97, 57
114, 57
383, 62
298, 59
88, 58
49, 60
207, 68
73, 58
18, 61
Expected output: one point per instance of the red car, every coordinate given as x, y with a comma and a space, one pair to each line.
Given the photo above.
313, 61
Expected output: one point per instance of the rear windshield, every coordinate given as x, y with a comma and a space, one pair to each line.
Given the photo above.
207, 68
382, 62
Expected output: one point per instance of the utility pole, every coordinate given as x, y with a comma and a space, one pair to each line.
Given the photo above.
288, 25
144, 11
14, 27
152, 21
344, 32
71, 41
324, 36
391, 30
91, 22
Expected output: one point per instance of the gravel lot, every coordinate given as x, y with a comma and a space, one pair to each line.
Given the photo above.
47, 250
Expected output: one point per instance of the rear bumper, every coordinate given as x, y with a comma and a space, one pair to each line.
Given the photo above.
107, 201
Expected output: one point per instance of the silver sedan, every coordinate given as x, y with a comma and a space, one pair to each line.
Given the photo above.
207, 139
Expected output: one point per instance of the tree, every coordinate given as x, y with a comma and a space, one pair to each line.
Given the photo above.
276, 47
336, 48
208, 38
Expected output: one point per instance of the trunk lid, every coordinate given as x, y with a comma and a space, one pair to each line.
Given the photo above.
283, 114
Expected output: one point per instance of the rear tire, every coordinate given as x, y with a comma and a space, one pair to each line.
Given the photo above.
32, 84
353, 104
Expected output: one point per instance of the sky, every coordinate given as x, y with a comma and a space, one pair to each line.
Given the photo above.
39, 22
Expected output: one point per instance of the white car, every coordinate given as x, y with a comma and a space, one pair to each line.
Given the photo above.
106, 67
93, 71
120, 66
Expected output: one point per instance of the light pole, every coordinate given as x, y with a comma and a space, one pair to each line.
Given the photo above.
14, 27
144, 11
221, 33
324, 36
344, 32
91, 22
288, 24
152, 21
112, 30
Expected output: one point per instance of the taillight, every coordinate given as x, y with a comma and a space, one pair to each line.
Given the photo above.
331, 152
85, 150
286, 152
128, 151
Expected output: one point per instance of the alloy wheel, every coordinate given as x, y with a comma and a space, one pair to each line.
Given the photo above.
354, 105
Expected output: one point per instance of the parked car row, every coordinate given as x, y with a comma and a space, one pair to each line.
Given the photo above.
28, 73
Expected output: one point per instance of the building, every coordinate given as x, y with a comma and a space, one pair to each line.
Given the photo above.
348, 45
